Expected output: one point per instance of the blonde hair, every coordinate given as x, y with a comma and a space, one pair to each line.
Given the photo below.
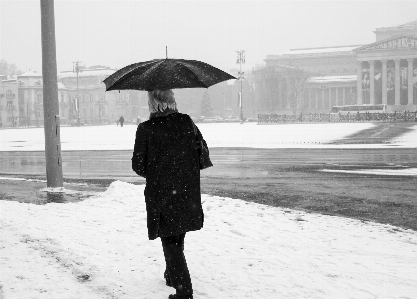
159, 100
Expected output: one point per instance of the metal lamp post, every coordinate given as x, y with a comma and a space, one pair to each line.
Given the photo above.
76, 68
241, 59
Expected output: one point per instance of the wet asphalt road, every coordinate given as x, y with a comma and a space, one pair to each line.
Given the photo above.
245, 162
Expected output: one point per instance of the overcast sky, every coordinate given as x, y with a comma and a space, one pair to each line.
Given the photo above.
118, 33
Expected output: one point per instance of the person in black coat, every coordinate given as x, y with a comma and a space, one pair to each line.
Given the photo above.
121, 120
165, 154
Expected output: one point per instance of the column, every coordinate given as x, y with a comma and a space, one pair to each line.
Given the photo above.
344, 96
359, 82
351, 92
410, 81
397, 82
337, 96
371, 82
384, 81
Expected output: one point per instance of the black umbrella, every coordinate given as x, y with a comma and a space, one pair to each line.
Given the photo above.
166, 74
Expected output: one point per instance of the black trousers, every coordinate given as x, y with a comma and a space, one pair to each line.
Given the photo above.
176, 266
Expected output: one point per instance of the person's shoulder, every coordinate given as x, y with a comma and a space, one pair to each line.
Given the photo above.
183, 116
146, 122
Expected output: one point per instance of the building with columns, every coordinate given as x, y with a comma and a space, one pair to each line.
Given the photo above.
8, 103
383, 72
95, 105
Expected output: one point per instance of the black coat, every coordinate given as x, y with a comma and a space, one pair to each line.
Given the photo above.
165, 154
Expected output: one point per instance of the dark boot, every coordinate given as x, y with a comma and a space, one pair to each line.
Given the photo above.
167, 279
174, 296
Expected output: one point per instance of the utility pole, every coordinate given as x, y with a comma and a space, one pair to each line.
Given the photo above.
54, 175
77, 69
240, 60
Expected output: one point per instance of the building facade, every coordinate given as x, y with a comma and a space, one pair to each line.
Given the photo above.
95, 105
8, 103
383, 72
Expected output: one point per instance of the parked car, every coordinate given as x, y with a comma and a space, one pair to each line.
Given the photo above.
74, 122
198, 119
232, 119
252, 119
210, 120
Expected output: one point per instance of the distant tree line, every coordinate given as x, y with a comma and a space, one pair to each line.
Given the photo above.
9, 68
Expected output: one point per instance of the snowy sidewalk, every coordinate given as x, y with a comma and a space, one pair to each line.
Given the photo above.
98, 248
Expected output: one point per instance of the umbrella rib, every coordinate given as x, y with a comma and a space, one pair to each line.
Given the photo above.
156, 69
184, 64
127, 73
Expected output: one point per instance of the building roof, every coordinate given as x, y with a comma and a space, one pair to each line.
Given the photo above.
61, 86
409, 40
87, 73
30, 74
410, 25
331, 79
323, 50
12, 80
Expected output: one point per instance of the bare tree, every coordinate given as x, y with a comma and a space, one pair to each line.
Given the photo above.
206, 108
295, 79
9, 68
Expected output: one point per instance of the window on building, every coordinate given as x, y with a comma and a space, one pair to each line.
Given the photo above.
91, 97
21, 98
38, 114
62, 97
9, 94
9, 104
21, 113
39, 97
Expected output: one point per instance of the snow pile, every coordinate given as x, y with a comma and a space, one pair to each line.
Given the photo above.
403, 172
98, 248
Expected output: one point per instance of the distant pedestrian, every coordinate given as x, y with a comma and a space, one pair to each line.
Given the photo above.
121, 120
166, 155
117, 122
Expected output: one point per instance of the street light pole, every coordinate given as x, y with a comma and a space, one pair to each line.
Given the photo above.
54, 176
77, 69
240, 60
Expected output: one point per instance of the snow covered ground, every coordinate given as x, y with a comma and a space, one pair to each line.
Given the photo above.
98, 248
251, 135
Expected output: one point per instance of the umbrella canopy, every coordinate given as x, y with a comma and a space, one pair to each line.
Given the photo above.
166, 74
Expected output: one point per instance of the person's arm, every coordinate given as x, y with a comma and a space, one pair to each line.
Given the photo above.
200, 136
140, 152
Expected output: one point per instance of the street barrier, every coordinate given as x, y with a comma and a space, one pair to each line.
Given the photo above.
349, 117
